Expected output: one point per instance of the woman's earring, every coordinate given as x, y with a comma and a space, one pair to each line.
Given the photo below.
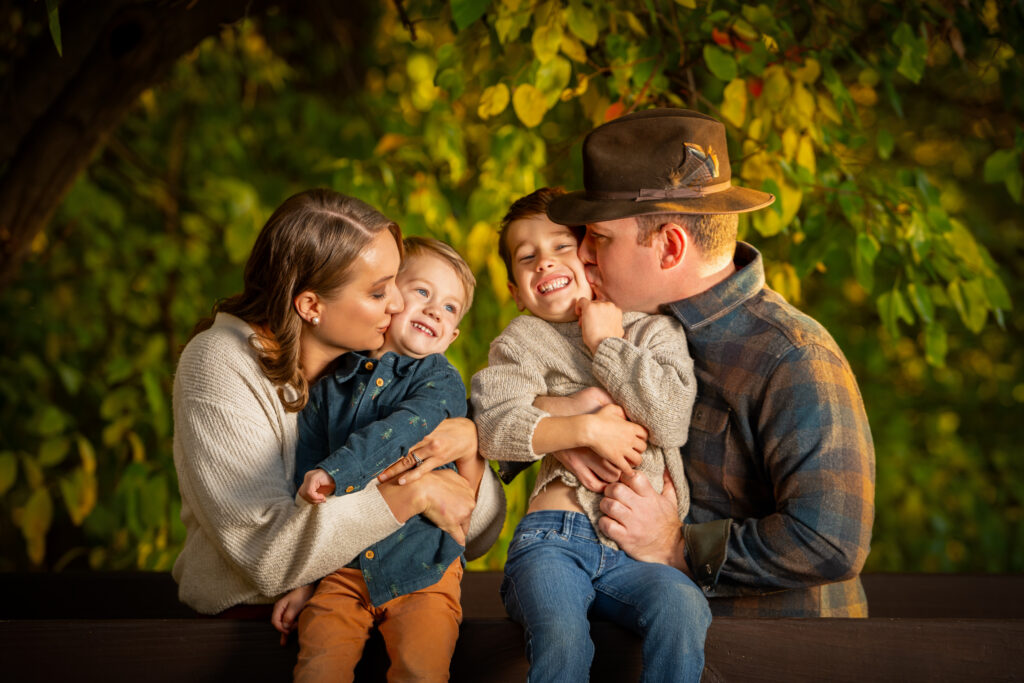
315, 320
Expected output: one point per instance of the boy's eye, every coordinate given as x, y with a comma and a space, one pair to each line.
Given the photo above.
565, 246
525, 257
450, 308
422, 292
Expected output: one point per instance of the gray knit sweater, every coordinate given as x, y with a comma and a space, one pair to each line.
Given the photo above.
649, 374
248, 540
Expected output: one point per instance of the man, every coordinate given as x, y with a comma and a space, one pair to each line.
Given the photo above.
779, 458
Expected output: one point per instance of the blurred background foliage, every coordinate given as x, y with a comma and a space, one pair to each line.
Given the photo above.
890, 133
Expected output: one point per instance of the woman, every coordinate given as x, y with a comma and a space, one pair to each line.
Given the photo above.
242, 379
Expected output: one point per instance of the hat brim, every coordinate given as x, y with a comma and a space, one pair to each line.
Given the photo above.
575, 209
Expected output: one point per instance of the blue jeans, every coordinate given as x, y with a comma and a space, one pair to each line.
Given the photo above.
558, 573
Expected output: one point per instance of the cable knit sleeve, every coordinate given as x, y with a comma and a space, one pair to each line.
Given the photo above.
503, 394
233, 449
650, 375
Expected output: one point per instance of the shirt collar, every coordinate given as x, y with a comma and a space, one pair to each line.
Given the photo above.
350, 363
703, 309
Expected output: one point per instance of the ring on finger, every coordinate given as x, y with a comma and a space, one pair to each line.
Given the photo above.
418, 459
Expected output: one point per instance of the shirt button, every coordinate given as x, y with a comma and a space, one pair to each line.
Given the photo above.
369, 365
380, 382
350, 489
707, 569
369, 554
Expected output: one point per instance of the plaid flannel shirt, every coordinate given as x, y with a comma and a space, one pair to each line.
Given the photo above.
780, 457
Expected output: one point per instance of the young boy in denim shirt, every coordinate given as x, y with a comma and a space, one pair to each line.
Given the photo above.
561, 568
360, 419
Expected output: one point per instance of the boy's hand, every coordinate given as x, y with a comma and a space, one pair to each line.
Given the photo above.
616, 439
316, 486
286, 610
593, 471
598, 321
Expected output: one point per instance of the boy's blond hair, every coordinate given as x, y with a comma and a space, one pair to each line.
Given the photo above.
418, 246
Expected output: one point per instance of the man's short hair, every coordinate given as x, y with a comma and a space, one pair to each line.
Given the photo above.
713, 233
419, 246
534, 204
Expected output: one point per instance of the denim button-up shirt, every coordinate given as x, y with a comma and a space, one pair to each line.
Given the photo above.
364, 416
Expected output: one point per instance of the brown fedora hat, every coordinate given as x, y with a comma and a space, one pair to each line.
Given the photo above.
655, 161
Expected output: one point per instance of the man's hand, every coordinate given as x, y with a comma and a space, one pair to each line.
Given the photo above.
454, 439
316, 486
643, 522
598, 321
593, 471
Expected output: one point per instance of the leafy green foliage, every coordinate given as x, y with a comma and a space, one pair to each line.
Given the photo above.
889, 133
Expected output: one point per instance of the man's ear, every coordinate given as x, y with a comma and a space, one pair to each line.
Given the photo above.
673, 245
514, 291
308, 305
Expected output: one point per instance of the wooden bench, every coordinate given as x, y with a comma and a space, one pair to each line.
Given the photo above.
130, 626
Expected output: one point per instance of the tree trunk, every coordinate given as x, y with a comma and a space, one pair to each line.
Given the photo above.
58, 111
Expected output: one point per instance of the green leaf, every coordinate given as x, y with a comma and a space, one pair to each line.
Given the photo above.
720, 63
935, 345
465, 12
864, 261
977, 305
998, 296
582, 22
893, 307
53, 451
1000, 164
552, 78
36, 518
885, 143
53, 17
546, 41
913, 52
922, 301
8, 471
48, 421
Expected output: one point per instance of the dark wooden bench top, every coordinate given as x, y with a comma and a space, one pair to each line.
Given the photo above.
130, 626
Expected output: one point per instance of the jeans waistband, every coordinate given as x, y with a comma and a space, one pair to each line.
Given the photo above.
567, 523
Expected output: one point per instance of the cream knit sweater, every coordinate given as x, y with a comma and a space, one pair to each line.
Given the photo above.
248, 540
649, 374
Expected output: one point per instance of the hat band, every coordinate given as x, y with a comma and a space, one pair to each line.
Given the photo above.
649, 194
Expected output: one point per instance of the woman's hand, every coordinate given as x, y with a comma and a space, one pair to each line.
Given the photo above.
454, 439
442, 496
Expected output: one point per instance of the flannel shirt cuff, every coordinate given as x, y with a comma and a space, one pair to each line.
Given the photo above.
705, 546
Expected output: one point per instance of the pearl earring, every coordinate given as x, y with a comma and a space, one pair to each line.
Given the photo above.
315, 320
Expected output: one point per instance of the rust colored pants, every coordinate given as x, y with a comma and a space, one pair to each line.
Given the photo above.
419, 629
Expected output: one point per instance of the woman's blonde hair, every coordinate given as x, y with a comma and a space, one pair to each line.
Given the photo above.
308, 244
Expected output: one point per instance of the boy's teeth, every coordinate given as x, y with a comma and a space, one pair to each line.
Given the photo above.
554, 284
424, 329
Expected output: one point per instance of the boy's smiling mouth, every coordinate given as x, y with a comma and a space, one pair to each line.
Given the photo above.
429, 331
554, 284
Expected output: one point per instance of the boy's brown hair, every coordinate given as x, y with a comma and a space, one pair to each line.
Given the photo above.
534, 204
418, 246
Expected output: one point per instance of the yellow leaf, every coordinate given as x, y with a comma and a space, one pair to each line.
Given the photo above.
493, 101
863, 95
688, 4
138, 448
87, 454
546, 41
573, 48
809, 72
79, 492
499, 277
734, 102
803, 100
790, 138
828, 108
634, 24
529, 105
776, 87
481, 241
33, 473
805, 154
388, 143
36, 517
783, 279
